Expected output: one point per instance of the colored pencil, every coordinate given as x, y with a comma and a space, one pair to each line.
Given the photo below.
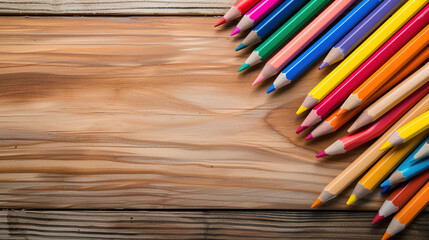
269, 46
422, 154
366, 159
393, 97
407, 169
404, 217
400, 196
390, 68
357, 57
255, 15
308, 34
382, 169
334, 121
271, 23
371, 65
361, 31
236, 11
408, 131
354, 140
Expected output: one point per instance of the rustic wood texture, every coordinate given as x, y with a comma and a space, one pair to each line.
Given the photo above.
23, 224
149, 112
115, 7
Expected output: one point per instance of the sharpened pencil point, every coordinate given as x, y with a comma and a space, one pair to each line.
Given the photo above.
385, 190
386, 236
317, 203
235, 31
259, 79
323, 65
309, 137
377, 218
300, 129
386, 145
221, 21
321, 154
385, 183
241, 46
244, 67
351, 200
271, 89
301, 109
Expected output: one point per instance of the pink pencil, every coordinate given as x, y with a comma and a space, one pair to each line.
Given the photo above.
298, 43
339, 94
255, 15
377, 128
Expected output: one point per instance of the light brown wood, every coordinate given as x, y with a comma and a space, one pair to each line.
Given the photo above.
24, 224
115, 7
150, 112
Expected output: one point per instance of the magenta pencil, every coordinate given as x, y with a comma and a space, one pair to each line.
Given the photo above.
339, 94
377, 128
255, 15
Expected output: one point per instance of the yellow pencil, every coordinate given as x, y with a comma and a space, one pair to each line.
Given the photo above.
367, 158
365, 50
383, 168
408, 131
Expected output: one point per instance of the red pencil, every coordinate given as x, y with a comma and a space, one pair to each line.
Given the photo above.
236, 11
335, 121
400, 196
377, 128
339, 94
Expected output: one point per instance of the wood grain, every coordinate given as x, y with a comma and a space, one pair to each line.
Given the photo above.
24, 224
149, 112
115, 7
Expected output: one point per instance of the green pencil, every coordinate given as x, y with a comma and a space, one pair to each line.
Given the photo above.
282, 34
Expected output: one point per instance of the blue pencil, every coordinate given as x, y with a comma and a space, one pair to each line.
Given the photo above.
305, 60
265, 28
361, 31
407, 169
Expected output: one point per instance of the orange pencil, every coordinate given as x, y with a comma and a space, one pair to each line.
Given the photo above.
404, 217
387, 71
334, 121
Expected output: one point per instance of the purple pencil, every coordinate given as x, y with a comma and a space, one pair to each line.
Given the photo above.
256, 14
361, 31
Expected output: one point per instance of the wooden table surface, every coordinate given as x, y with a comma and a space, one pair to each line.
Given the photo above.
150, 113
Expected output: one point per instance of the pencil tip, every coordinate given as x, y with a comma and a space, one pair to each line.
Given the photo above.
321, 154
351, 200
385, 183
341, 111
317, 203
323, 65
241, 46
309, 137
386, 236
221, 21
243, 67
300, 129
386, 145
271, 89
301, 109
385, 190
259, 79
377, 218
235, 31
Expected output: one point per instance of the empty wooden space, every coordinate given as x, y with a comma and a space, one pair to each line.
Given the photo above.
149, 112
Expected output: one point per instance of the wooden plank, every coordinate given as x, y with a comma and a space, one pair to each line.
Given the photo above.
149, 112
16, 224
115, 7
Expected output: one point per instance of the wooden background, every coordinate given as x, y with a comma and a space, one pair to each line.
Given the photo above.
150, 113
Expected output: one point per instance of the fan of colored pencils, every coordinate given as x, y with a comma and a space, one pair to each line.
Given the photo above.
382, 79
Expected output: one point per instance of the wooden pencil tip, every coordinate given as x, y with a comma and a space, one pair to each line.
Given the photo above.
323, 65
300, 129
377, 218
235, 31
386, 145
386, 236
301, 109
341, 111
317, 203
351, 200
221, 21
309, 137
322, 154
